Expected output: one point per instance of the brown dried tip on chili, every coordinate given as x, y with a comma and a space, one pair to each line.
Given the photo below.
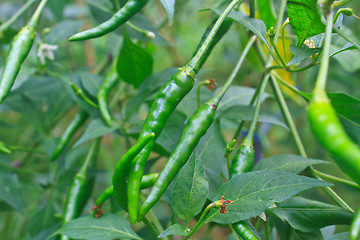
97, 211
211, 84
223, 208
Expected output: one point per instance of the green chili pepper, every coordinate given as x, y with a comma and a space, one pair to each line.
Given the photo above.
330, 133
164, 104
19, 49
111, 79
146, 182
122, 169
120, 17
355, 226
77, 195
78, 120
190, 136
323, 121
242, 229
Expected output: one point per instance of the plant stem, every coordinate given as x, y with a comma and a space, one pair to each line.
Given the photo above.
324, 66
151, 227
16, 16
194, 63
157, 223
199, 223
205, 82
343, 35
215, 100
146, 33
277, 52
337, 179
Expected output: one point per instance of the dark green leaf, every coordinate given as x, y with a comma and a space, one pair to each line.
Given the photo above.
286, 163
346, 106
298, 235
109, 226
308, 215
301, 53
190, 189
104, 5
254, 192
96, 128
305, 19
215, 182
175, 229
134, 63
266, 8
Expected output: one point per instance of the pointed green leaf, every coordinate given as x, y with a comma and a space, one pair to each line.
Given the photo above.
190, 189
254, 192
169, 6
305, 19
286, 163
175, 229
308, 215
134, 63
109, 226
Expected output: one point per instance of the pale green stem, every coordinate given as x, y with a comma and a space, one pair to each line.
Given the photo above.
337, 179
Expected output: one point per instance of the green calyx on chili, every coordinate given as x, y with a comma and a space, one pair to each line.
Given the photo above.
19, 49
324, 122
77, 122
146, 182
111, 79
355, 226
77, 195
196, 127
120, 17
169, 96
122, 169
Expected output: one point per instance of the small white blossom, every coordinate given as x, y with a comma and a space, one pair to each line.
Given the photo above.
46, 51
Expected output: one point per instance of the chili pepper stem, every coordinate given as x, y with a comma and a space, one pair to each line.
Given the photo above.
200, 221
150, 226
337, 179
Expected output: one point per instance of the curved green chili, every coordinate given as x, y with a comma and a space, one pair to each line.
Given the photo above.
19, 49
324, 122
242, 229
122, 169
164, 104
120, 17
77, 195
355, 226
78, 120
190, 137
111, 79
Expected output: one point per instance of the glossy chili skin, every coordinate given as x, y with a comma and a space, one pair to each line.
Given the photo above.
355, 226
243, 230
122, 169
196, 127
243, 161
19, 49
330, 133
169, 96
120, 17
78, 121
111, 79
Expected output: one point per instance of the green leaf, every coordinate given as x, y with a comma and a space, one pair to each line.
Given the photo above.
104, 5
253, 192
190, 189
169, 6
304, 18
134, 63
109, 226
96, 128
215, 182
340, 236
301, 53
287, 163
175, 229
265, 8
308, 215
298, 235
62, 31
346, 106
245, 113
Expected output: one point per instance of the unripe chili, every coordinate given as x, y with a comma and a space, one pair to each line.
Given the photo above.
120, 17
